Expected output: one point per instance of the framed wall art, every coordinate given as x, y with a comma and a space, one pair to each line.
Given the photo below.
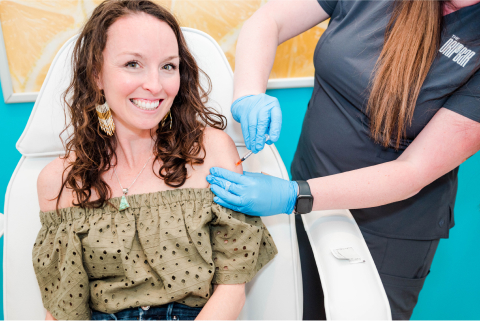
32, 31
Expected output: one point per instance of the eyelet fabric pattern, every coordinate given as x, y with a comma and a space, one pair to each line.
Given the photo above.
169, 246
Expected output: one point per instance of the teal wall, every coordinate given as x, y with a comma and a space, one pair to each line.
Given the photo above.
452, 288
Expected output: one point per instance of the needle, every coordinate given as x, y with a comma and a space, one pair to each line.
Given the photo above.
249, 153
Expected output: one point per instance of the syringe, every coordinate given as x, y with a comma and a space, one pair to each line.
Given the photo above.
249, 153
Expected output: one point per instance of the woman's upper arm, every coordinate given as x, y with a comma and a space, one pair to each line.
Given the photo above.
292, 17
49, 182
447, 141
221, 150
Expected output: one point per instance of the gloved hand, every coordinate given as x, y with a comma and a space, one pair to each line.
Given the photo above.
259, 115
252, 193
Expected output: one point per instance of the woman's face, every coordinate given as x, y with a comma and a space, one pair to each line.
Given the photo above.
140, 75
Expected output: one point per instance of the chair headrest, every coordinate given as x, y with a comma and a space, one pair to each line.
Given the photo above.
47, 120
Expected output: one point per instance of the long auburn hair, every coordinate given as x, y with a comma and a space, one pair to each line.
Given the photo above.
412, 40
94, 150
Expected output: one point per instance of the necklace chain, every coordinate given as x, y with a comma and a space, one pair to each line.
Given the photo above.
125, 190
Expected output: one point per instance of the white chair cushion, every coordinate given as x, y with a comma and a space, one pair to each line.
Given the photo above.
21, 294
2, 224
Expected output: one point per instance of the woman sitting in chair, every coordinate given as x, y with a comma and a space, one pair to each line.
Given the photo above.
129, 226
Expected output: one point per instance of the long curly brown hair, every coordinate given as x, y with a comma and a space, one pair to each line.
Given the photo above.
94, 150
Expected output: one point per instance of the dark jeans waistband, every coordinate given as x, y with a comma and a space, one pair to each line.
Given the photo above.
171, 311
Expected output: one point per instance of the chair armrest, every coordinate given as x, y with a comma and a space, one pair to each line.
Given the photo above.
351, 291
2, 224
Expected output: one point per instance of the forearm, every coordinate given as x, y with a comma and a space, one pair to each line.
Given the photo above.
225, 304
255, 53
274, 23
367, 187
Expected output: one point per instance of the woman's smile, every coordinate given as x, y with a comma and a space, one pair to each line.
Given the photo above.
146, 104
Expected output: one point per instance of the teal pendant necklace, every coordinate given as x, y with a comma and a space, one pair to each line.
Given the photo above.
123, 202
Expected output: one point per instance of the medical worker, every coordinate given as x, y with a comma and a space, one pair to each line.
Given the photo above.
395, 110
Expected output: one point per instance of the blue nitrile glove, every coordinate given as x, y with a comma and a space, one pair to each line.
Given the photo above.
252, 193
259, 115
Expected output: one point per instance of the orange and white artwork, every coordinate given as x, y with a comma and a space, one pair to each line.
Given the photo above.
34, 31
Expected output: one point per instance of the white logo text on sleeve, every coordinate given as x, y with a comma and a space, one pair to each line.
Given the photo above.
462, 53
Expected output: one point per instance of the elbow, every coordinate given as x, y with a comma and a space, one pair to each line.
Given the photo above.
242, 297
236, 293
414, 179
412, 193
254, 21
415, 186
264, 20
241, 302
240, 294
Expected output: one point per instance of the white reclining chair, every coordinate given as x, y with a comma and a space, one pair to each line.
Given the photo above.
352, 291
2, 223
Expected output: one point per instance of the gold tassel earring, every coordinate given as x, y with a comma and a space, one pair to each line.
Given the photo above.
105, 118
165, 118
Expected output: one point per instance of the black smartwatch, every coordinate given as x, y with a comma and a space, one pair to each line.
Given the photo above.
304, 203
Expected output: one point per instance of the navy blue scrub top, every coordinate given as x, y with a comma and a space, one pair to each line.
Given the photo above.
335, 135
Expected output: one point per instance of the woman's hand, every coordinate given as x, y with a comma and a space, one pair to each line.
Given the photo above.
253, 193
259, 115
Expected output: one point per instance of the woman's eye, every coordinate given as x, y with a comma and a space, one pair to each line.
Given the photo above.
169, 67
132, 64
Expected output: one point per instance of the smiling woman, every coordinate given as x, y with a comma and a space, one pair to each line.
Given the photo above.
119, 240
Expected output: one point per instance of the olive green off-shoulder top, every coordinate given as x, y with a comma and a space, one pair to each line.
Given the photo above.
169, 246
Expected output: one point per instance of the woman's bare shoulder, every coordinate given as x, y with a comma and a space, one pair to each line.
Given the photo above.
50, 182
220, 150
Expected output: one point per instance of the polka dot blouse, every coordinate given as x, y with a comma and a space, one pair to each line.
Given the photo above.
169, 246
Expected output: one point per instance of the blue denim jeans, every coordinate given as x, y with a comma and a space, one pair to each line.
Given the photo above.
171, 311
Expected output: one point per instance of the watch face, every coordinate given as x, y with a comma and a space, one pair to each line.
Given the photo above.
304, 204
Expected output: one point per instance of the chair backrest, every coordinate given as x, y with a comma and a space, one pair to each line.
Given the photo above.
275, 293
2, 221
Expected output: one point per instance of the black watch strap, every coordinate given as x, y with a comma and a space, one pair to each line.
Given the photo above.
304, 203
